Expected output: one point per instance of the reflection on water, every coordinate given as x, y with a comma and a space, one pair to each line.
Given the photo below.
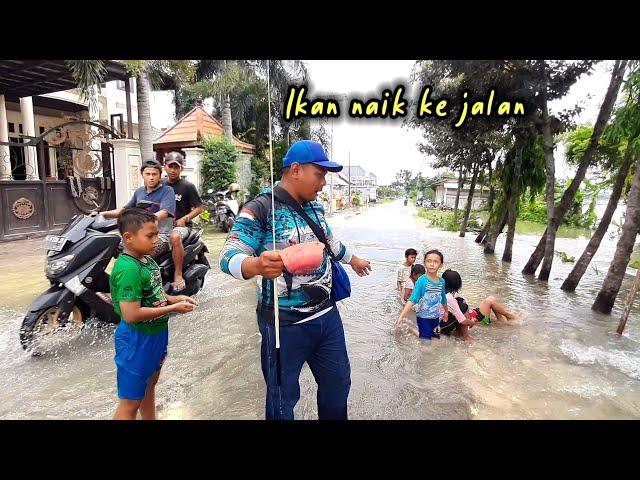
561, 360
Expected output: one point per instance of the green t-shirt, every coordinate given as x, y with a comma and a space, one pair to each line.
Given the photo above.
133, 280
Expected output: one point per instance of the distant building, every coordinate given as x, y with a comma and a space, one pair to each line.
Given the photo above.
447, 188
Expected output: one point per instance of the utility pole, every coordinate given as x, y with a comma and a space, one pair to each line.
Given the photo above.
349, 186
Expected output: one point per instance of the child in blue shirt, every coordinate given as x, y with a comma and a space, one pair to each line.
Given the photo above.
429, 293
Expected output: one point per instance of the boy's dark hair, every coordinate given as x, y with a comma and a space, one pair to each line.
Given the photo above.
151, 163
131, 219
417, 269
410, 251
452, 281
437, 252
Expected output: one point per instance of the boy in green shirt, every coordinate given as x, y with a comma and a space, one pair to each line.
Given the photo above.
141, 338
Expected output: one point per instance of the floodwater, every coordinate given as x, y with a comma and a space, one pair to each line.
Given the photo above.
559, 361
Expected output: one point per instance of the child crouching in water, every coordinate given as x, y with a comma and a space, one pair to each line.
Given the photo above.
459, 320
462, 319
429, 292
416, 272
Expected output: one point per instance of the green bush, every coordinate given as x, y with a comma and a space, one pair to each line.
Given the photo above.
218, 165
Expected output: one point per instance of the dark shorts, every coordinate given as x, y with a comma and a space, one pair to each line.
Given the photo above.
449, 326
138, 357
163, 246
428, 327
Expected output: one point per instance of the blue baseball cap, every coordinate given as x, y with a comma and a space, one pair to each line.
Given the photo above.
308, 151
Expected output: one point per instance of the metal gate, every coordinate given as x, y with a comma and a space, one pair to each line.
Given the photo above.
68, 169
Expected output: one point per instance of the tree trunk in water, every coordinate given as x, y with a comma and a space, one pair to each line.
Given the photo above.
629, 306
145, 132
550, 164
227, 123
611, 285
569, 194
467, 210
572, 280
490, 245
513, 206
481, 238
460, 183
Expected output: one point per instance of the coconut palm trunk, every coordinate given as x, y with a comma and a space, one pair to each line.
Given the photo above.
542, 250
611, 284
573, 279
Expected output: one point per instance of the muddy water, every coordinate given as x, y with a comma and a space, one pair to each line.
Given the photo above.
561, 360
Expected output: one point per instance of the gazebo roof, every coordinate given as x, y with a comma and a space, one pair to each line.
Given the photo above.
193, 128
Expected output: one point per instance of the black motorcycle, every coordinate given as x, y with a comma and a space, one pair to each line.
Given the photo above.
75, 267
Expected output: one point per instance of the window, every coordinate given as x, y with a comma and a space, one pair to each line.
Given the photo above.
12, 128
121, 86
20, 127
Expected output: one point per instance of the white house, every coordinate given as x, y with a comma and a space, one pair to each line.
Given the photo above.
447, 188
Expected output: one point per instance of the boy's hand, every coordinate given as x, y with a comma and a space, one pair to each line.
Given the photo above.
184, 298
398, 320
183, 307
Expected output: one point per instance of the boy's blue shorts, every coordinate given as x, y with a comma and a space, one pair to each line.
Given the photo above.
428, 327
138, 357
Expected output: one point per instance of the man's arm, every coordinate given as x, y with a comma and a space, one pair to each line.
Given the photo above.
116, 213
167, 203
195, 203
246, 238
112, 213
342, 253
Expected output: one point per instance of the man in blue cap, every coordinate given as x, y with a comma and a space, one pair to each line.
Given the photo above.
310, 325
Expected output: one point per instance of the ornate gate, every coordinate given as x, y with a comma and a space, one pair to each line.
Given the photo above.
45, 180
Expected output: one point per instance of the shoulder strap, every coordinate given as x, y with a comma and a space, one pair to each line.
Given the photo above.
285, 197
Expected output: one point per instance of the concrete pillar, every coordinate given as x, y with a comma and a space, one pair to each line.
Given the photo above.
5, 159
126, 159
193, 158
29, 128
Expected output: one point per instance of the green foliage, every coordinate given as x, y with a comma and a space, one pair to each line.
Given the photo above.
635, 258
535, 209
437, 218
566, 258
218, 163
357, 199
388, 192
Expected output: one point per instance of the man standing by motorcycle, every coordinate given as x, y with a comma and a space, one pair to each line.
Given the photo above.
188, 207
162, 199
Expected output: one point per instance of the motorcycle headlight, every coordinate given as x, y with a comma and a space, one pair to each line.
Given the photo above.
57, 266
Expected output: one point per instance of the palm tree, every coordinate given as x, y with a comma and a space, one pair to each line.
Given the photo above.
226, 81
547, 241
611, 284
88, 73
624, 129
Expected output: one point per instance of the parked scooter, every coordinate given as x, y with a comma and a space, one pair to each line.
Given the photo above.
224, 207
75, 267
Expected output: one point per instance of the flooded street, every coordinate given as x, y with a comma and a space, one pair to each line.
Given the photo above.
560, 361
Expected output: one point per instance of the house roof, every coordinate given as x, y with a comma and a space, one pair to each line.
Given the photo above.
27, 78
193, 128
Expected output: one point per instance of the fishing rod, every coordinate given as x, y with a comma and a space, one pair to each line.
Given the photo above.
276, 311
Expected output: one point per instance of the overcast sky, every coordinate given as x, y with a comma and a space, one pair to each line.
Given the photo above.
385, 146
